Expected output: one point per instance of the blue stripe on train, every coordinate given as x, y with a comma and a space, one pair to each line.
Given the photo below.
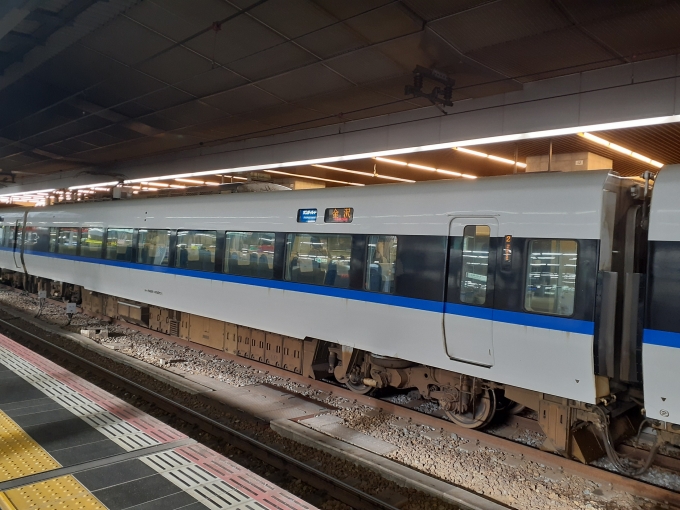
518, 318
523, 319
662, 338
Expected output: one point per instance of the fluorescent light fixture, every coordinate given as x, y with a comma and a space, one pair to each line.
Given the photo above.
346, 170
190, 181
468, 151
393, 178
178, 186
98, 185
421, 167
449, 172
365, 174
28, 193
489, 156
618, 148
157, 184
314, 178
392, 161
506, 160
428, 168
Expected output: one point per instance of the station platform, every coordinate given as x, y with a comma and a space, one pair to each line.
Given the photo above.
67, 444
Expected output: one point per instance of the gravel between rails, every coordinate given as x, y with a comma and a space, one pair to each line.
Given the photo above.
514, 481
364, 479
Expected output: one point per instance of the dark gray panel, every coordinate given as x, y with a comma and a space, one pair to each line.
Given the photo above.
41, 418
499, 22
114, 474
15, 389
73, 455
136, 492
28, 406
293, 18
180, 500
64, 434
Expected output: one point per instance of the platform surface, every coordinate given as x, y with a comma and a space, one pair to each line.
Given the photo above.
67, 444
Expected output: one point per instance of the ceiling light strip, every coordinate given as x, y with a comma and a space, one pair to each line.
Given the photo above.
618, 148
490, 156
423, 148
314, 178
365, 174
427, 168
651, 121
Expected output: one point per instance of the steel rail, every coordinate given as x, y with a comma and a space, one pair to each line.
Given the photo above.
337, 489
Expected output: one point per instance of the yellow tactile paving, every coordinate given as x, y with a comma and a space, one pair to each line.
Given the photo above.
20, 455
60, 493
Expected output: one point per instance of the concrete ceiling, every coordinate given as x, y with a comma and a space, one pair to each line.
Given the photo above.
90, 82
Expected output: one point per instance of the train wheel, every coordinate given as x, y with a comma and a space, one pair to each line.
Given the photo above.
360, 388
507, 406
479, 415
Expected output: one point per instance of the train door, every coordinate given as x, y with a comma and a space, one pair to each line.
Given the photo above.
16, 242
468, 326
18, 246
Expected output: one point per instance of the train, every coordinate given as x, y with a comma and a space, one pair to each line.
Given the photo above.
553, 291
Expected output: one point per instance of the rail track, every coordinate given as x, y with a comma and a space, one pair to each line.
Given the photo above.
336, 489
344, 492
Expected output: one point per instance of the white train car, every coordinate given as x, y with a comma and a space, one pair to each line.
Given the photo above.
661, 340
502, 282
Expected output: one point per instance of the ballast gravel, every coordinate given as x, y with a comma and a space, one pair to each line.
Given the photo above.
517, 482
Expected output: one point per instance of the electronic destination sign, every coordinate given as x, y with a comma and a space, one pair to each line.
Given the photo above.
339, 215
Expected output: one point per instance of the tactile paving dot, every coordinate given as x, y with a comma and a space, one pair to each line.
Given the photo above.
20, 455
64, 492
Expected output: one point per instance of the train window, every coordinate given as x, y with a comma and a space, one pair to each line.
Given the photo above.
91, 240
380, 263
318, 258
474, 273
250, 254
551, 276
9, 240
196, 249
153, 247
67, 241
37, 239
119, 244
20, 231
54, 235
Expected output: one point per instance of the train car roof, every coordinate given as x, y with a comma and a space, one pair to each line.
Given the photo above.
553, 204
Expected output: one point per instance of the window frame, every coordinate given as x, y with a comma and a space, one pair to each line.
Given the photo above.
175, 244
101, 248
28, 248
58, 251
286, 259
365, 265
490, 266
525, 280
137, 249
275, 252
133, 243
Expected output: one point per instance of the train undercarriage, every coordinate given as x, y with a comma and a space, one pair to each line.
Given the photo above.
573, 429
